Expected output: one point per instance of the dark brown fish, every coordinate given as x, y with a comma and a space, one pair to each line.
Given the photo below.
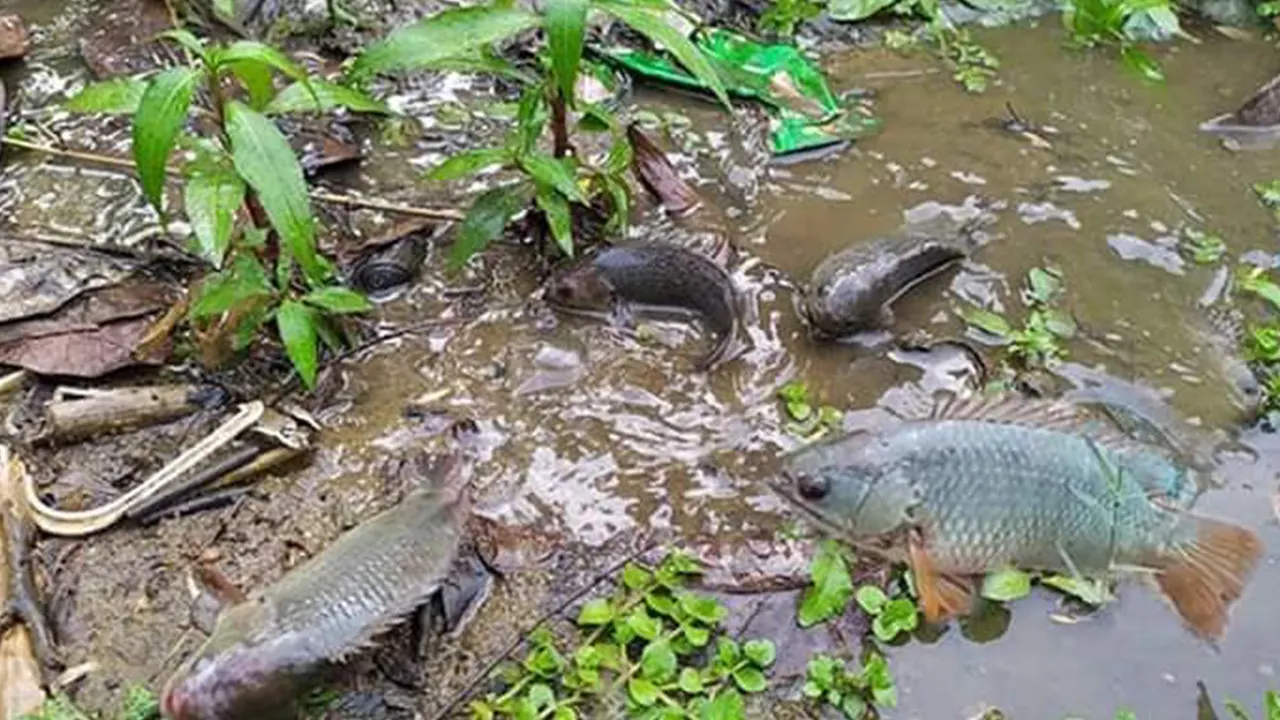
616, 280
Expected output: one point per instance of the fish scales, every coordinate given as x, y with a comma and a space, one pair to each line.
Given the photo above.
988, 483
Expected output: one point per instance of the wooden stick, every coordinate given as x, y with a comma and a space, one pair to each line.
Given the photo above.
449, 214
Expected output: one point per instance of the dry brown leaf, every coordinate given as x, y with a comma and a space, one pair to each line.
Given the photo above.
658, 175
87, 353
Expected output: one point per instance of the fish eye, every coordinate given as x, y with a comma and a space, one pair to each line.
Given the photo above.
812, 488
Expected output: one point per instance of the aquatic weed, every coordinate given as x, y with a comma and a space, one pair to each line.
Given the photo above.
1039, 341
652, 642
804, 421
831, 585
890, 617
852, 690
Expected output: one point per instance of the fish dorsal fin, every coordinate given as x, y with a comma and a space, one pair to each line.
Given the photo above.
1056, 415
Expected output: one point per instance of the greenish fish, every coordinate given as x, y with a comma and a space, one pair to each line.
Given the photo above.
266, 650
996, 482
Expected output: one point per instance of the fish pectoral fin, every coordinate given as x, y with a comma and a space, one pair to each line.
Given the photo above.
1203, 577
941, 596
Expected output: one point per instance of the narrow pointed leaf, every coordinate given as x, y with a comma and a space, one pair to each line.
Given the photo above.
264, 159
298, 332
162, 112
187, 40
295, 99
338, 300
211, 200
652, 25
253, 51
566, 22
257, 80
559, 217
117, 96
486, 220
550, 171
468, 163
442, 36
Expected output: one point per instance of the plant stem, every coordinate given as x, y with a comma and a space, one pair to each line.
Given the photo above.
559, 124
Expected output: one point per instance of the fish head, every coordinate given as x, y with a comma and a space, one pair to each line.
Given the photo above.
580, 286
839, 485
231, 676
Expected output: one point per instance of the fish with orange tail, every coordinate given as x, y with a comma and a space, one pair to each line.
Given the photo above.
974, 486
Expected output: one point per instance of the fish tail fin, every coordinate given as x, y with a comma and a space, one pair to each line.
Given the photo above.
941, 596
1203, 577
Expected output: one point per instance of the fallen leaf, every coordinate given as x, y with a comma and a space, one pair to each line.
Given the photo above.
658, 175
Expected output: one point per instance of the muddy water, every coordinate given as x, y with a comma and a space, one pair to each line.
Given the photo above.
595, 437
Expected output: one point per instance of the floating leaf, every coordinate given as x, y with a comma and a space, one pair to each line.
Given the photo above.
442, 36
298, 332
115, 96
161, 114
987, 321
566, 22
264, 159
831, 586
1092, 592
1006, 585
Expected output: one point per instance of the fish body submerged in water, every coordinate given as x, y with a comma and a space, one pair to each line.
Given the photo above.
617, 279
264, 651
986, 484
851, 291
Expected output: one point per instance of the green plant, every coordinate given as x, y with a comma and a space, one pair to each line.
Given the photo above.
558, 183
138, 703
1123, 23
244, 195
851, 690
1202, 248
803, 420
973, 65
1040, 340
831, 585
651, 640
889, 617
1269, 195
783, 16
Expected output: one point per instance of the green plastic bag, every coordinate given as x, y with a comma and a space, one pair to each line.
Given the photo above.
805, 114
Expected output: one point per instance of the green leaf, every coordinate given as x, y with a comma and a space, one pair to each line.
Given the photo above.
987, 321
620, 199
252, 51
162, 112
658, 661
726, 705
264, 159
566, 22
871, 599
761, 652
642, 692
697, 636
661, 603
596, 612
1142, 63
635, 577
1092, 592
554, 173
853, 706
485, 221
1125, 714
1271, 704
831, 589
643, 624
750, 679
652, 25
245, 280
564, 712
212, 198
559, 217
690, 681
187, 40
327, 96
1006, 585
855, 10
442, 36
338, 300
898, 616
256, 78
120, 96
298, 332
727, 652
1043, 285
468, 163
703, 608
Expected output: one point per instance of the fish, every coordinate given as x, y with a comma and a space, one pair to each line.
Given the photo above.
994, 482
851, 291
619, 280
265, 651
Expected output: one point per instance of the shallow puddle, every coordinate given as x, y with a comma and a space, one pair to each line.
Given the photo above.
595, 437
